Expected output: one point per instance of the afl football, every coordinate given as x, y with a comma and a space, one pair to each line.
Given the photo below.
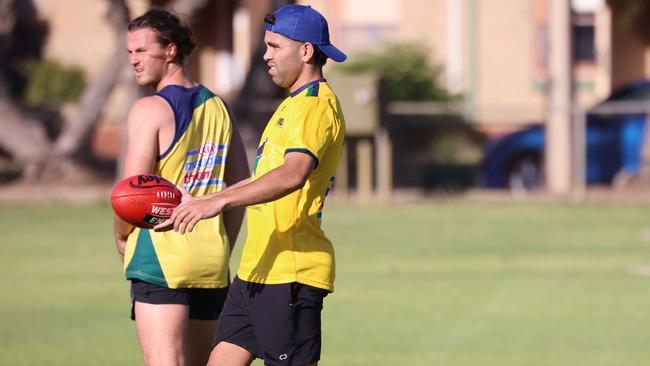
145, 200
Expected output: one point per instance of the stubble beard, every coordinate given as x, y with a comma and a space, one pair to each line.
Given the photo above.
146, 80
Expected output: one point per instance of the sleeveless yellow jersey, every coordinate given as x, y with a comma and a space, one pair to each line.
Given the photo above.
195, 160
285, 242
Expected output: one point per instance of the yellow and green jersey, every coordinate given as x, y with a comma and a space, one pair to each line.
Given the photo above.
195, 160
285, 241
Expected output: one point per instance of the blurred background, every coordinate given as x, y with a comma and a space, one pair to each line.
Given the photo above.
490, 207
439, 95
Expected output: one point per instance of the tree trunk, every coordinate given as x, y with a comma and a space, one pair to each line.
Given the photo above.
73, 142
251, 107
24, 139
27, 140
188, 7
78, 128
7, 21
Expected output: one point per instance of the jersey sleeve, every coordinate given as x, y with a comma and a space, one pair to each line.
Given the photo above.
310, 130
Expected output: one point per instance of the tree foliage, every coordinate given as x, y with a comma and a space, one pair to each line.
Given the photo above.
406, 68
50, 84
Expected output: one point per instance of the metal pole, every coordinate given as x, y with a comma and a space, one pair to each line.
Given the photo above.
364, 170
558, 126
471, 60
384, 150
579, 137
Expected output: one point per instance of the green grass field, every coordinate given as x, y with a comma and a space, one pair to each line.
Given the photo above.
438, 283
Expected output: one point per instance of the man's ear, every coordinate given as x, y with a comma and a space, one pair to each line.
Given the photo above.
307, 50
172, 51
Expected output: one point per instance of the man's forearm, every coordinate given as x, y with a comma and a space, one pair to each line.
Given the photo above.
121, 231
238, 184
274, 185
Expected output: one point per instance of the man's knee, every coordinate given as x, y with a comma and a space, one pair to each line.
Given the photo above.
162, 357
229, 354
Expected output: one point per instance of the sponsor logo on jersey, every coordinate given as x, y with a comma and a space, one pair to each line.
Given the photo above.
192, 176
260, 150
208, 162
208, 149
319, 214
198, 173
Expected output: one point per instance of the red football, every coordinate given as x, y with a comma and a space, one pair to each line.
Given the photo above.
145, 200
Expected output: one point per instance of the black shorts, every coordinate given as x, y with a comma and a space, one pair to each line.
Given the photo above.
204, 303
278, 323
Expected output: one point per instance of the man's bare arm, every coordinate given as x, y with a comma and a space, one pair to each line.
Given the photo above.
273, 185
143, 125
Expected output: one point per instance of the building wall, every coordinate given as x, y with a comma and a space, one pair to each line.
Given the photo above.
83, 38
603, 44
212, 62
77, 38
493, 52
428, 22
507, 91
79, 34
361, 26
485, 47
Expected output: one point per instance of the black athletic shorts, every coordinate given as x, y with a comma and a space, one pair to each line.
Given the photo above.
204, 303
278, 323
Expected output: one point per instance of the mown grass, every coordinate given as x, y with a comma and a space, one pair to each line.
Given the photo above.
435, 283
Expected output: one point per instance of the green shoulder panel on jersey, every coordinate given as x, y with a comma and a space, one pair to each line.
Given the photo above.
204, 95
312, 91
145, 265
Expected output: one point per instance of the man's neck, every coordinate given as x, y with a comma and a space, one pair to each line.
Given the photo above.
306, 77
175, 75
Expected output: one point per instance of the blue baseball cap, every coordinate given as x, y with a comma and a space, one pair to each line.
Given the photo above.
303, 24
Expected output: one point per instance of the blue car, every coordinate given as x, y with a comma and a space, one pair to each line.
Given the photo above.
613, 142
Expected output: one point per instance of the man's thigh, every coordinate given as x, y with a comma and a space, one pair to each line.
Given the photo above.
161, 329
229, 354
288, 323
199, 341
307, 305
180, 322
204, 304
235, 325
279, 323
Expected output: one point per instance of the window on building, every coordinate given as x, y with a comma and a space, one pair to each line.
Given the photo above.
583, 43
582, 29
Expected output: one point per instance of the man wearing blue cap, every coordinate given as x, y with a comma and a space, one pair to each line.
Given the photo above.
274, 303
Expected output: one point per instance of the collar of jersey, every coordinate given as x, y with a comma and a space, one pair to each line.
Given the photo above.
306, 86
180, 87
